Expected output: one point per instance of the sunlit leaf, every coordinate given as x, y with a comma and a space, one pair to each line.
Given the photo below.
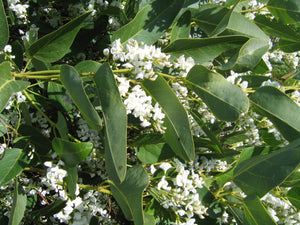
73, 83
8, 85
115, 121
286, 11
178, 134
150, 22
204, 50
260, 174
13, 163
55, 45
225, 100
285, 118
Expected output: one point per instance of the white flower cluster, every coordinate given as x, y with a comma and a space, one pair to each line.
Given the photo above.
139, 57
16, 97
182, 196
18, 8
281, 210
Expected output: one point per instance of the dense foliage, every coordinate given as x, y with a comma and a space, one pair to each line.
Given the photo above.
149, 112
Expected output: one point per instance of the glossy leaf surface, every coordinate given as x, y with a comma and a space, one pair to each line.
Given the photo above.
182, 27
260, 174
55, 45
73, 83
115, 121
150, 22
203, 50
286, 11
225, 100
178, 134
285, 118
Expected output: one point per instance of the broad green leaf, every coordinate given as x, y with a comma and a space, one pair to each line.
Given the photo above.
13, 163
4, 32
226, 101
129, 193
56, 92
8, 85
149, 219
260, 174
87, 66
204, 50
254, 81
55, 45
294, 196
255, 212
19, 205
178, 134
276, 28
182, 27
248, 56
209, 16
150, 22
286, 11
115, 121
71, 180
153, 153
285, 118
73, 83
238, 215
71, 153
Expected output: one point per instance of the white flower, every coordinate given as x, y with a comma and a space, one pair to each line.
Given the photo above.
163, 184
165, 166
7, 48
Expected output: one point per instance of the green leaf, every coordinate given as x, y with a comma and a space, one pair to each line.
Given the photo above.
4, 32
276, 28
260, 174
17, 51
115, 121
87, 66
178, 134
289, 46
204, 50
255, 212
287, 11
62, 126
13, 163
129, 193
293, 180
150, 22
41, 143
248, 56
8, 85
55, 45
71, 153
294, 196
182, 27
71, 180
19, 205
226, 101
73, 83
285, 118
